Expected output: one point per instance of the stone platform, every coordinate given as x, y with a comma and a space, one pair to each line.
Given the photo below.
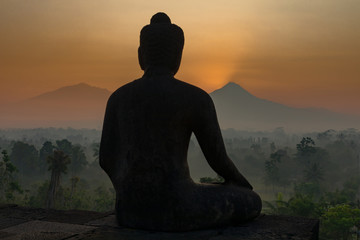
41, 224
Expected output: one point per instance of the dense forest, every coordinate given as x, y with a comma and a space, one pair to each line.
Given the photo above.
313, 175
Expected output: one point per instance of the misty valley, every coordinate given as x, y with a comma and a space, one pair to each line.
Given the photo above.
275, 82
315, 174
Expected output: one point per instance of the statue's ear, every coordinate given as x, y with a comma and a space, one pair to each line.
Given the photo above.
141, 58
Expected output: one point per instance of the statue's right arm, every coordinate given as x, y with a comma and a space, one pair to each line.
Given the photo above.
208, 134
107, 152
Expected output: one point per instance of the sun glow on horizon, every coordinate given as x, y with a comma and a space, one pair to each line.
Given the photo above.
288, 51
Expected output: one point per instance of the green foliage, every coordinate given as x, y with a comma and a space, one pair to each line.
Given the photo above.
25, 158
272, 173
105, 199
78, 159
38, 199
278, 206
9, 186
277, 172
45, 151
81, 200
299, 205
337, 222
75, 153
351, 188
256, 148
348, 194
305, 148
74, 197
58, 161
96, 150
57, 164
307, 154
307, 188
338, 211
65, 146
311, 159
303, 205
307, 175
217, 179
272, 147
313, 173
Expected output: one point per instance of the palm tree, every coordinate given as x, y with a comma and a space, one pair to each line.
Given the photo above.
58, 164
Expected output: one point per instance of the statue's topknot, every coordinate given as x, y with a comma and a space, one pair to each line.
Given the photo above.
160, 17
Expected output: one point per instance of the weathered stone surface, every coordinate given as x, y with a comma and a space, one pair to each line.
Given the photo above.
108, 221
37, 229
263, 228
104, 226
5, 235
37, 226
36, 236
21, 214
132, 234
274, 227
8, 221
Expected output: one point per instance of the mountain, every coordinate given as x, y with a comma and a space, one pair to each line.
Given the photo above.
75, 93
238, 109
83, 106
77, 106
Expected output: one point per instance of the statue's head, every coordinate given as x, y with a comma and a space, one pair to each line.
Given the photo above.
161, 44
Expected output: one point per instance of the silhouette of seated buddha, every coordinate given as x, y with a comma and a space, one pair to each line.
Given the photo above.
147, 128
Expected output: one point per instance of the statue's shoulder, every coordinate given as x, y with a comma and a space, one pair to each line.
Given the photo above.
194, 91
176, 87
123, 90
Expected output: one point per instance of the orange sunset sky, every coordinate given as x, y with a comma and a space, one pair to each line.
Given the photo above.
297, 52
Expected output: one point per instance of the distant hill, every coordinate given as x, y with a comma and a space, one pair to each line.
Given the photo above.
83, 106
81, 92
78, 106
238, 109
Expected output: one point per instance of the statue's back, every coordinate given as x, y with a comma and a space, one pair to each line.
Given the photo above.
155, 117
146, 133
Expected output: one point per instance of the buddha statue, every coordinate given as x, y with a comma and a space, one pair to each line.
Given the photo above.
146, 133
